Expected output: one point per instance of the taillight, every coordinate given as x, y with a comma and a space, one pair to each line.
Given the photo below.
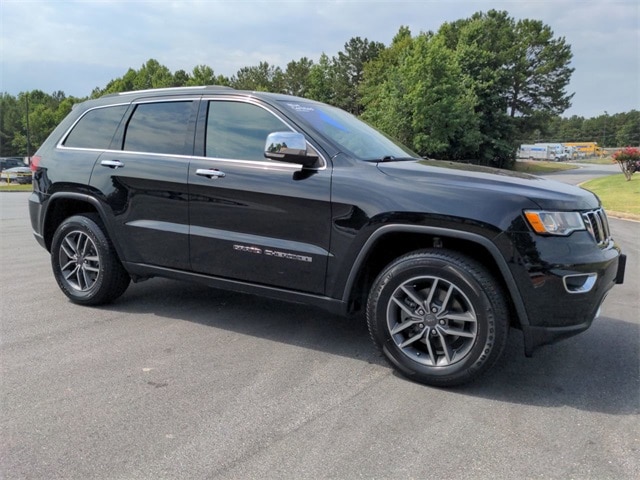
35, 163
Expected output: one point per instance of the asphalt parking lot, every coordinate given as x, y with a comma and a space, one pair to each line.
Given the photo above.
181, 381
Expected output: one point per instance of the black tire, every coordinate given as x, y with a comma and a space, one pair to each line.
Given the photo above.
84, 262
439, 317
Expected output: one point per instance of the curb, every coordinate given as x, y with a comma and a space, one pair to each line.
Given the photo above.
623, 215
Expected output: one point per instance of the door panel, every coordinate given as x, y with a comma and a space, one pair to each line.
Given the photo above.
254, 219
149, 202
260, 224
145, 183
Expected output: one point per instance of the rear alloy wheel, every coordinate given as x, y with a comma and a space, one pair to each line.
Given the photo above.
85, 263
439, 317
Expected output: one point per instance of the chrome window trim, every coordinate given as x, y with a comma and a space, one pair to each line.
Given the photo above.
256, 163
253, 101
270, 164
60, 143
143, 101
236, 98
133, 102
267, 165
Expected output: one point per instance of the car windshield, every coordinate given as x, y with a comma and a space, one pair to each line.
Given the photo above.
349, 134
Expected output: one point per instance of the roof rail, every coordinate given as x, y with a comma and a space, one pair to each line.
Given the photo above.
168, 89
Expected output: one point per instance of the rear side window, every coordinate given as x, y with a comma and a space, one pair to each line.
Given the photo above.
159, 128
237, 130
96, 128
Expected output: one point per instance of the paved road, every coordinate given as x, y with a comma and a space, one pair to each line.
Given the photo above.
181, 381
585, 172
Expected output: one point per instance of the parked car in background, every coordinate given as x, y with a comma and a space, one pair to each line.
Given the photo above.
10, 162
22, 175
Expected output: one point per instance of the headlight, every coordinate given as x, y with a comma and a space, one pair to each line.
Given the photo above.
554, 223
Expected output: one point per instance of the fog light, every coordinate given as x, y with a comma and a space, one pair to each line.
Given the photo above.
581, 283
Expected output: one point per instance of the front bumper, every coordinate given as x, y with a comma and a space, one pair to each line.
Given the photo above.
563, 283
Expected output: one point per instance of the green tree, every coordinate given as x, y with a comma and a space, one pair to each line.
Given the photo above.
349, 69
383, 89
64, 108
321, 81
518, 73
444, 120
263, 77
42, 121
592, 130
540, 71
423, 99
180, 78
152, 75
628, 133
570, 129
123, 84
11, 114
296, 77
21, 136
202, 75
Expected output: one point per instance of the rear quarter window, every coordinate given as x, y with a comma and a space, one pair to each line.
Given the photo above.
96, 128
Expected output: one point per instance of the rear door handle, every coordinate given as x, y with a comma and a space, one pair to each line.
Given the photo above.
206, 172
112, 164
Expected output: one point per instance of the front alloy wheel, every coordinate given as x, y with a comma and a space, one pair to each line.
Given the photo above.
432, 321
438, 316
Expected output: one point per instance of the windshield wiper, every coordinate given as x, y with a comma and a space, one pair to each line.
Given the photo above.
391, 158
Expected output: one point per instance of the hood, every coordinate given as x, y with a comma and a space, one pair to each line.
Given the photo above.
547, 194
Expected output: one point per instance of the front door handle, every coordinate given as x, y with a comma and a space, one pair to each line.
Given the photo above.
209, 173
112, 164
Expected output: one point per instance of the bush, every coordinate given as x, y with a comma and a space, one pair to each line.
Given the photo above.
629, 160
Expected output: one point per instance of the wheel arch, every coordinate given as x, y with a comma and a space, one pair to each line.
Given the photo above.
391, 241
62, 205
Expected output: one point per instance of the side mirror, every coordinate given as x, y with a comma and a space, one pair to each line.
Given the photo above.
290, 147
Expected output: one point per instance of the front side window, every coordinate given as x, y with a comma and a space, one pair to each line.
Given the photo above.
237, 130
159, 128
96, 128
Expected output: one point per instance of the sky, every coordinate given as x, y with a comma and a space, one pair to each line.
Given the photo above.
75, 46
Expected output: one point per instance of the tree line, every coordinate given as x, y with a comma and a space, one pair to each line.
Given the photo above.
472, 91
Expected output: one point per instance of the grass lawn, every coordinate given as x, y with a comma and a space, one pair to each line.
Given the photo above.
617, 194
15, 187
539, 166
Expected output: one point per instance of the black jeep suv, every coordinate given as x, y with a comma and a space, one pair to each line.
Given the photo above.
290, 198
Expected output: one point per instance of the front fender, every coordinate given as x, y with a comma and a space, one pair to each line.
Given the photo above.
441, 233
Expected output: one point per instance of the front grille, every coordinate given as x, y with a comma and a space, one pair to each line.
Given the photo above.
598, 226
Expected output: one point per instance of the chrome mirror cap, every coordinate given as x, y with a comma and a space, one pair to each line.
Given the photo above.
290, 147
